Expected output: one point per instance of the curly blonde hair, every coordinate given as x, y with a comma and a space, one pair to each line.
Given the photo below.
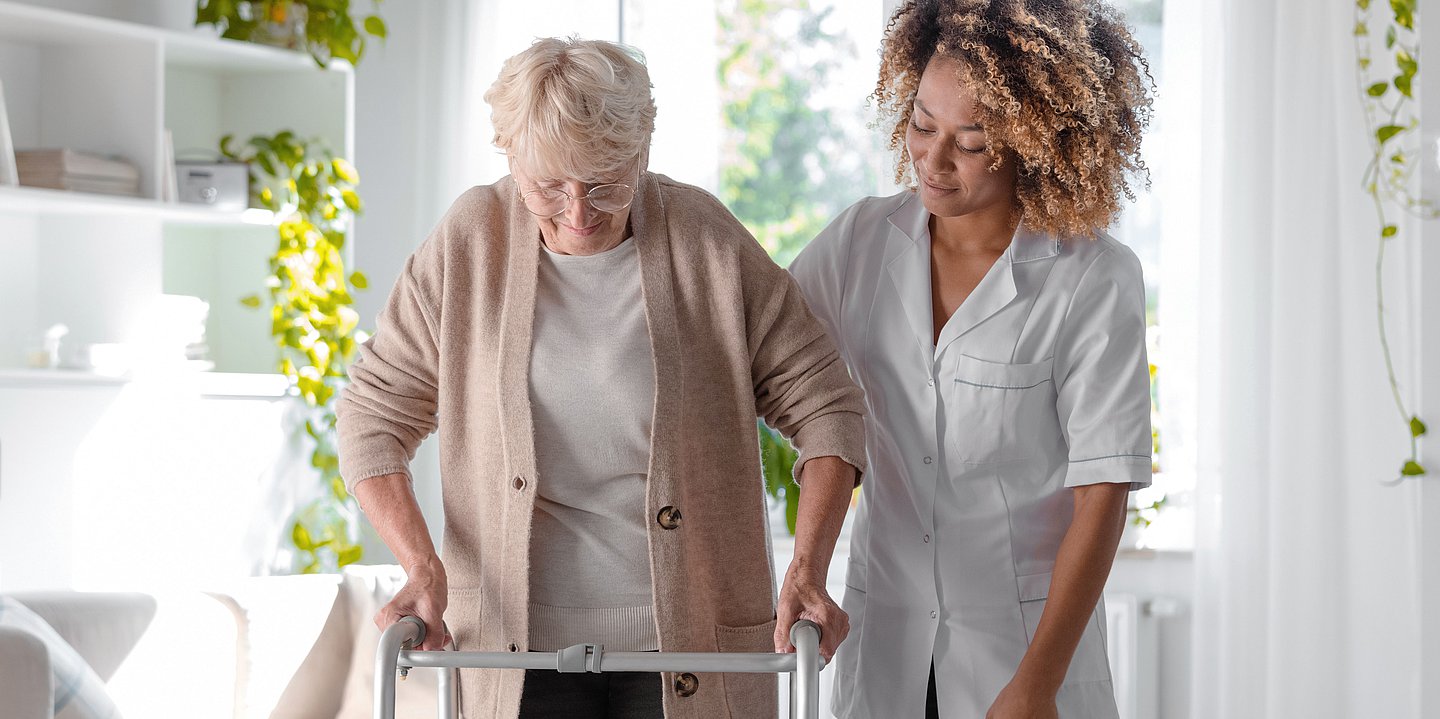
1060, 86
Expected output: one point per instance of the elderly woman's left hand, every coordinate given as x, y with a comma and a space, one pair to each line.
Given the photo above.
829, 484
803, 596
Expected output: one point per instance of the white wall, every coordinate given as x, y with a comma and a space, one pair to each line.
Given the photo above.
1167, 576
686, 145
395, 153
144, 484
1427, 299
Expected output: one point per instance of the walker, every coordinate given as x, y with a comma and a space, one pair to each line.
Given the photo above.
395, 653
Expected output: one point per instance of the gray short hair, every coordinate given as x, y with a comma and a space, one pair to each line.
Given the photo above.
573, 109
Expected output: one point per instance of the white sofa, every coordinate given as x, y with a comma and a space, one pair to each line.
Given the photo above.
262, 648
101, 628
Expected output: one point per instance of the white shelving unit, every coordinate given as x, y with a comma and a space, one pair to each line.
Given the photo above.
97, 263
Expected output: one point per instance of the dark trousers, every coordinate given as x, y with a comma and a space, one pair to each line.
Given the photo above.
932, 705
612, 695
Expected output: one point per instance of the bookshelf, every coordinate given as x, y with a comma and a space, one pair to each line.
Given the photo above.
98, 263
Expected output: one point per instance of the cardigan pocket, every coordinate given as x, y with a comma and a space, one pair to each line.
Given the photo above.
748, 695
464, 616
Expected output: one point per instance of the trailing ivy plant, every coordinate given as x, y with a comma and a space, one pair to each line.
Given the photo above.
1387, 84
328, 25
313, 324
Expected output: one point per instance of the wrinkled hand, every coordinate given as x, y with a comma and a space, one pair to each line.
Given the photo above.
424, 596
1019, 700
803, 596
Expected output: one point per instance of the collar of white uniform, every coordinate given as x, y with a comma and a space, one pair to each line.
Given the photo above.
1028, 245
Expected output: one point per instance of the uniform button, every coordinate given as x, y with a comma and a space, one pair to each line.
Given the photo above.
518, 483
668, 518
686, 684
934, 615
930, 382
927, 539
927, 460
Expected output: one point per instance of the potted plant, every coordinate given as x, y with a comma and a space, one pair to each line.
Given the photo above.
325, 28
777, 463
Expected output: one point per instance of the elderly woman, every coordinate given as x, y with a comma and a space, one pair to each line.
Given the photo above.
596, 342
999, 335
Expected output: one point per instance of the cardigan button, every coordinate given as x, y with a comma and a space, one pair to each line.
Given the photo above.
669, 518
514, 648
686, 684
519, 483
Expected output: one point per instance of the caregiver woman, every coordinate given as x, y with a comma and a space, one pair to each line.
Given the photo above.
594, 343
999, 336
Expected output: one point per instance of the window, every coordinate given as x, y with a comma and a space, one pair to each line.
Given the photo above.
797, 147
765, 104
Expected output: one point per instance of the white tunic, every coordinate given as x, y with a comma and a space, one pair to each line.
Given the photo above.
1039, 382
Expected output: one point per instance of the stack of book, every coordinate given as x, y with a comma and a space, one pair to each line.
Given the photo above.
77, 171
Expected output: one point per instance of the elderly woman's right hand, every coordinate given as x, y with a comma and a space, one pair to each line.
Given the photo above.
424, 596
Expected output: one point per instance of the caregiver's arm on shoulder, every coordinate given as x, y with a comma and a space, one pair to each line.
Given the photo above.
1081, 568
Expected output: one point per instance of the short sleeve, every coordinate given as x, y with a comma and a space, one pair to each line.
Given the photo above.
821, 270
1102, 375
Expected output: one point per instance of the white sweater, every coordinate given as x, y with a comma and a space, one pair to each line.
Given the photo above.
592, 386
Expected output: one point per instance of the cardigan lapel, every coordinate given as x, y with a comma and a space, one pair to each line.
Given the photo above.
517, 325
649, 223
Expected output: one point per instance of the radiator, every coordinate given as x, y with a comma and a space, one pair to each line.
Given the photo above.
1133, 644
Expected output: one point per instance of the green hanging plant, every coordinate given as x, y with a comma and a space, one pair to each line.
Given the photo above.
1392, 128
1143, 515
313, 322
777, 462
325, 28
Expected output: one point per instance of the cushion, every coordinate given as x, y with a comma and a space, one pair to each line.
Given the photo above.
316, 619
186, 663
78, 691
102, 627
366, 589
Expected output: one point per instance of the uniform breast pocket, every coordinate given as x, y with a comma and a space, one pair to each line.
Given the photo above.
1000, 412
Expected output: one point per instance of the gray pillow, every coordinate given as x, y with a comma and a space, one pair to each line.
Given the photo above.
79, 692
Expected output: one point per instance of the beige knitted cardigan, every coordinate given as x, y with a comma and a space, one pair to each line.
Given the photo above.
731, 338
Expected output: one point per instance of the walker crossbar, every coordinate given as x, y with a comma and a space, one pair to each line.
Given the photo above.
395, 653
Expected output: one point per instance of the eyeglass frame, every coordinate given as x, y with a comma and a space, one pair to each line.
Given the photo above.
569, 198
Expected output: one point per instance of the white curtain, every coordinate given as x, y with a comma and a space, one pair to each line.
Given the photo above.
1307, 599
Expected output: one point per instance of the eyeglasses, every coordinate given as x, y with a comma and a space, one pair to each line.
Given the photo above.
549, 202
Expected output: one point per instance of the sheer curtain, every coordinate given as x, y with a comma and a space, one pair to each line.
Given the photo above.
1307, 600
